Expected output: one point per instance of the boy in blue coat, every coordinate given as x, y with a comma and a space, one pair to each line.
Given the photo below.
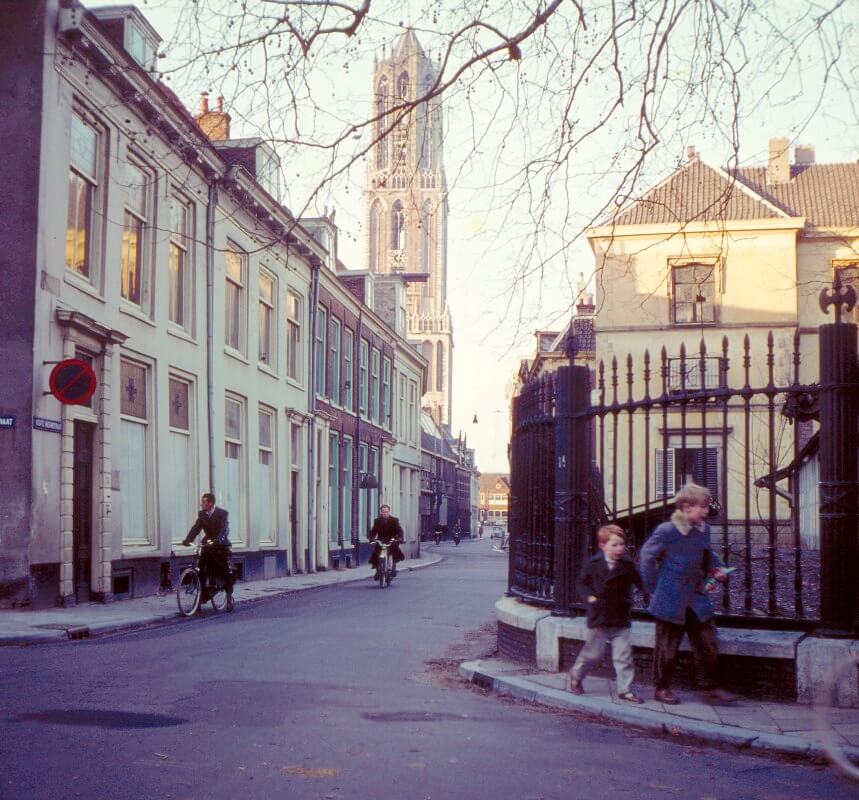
675, 563
607, 580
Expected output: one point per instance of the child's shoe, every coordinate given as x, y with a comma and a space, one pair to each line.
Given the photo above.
630, 697
574, 686
666, 696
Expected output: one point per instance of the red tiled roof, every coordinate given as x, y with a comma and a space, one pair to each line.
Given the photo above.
826, 194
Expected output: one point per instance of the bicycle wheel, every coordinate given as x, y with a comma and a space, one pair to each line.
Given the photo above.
188, 592
381, 575
219, 598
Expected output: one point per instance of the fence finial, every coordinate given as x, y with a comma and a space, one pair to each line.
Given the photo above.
838, 296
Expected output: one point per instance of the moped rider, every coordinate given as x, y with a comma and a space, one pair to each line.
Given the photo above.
386, 529
215, 553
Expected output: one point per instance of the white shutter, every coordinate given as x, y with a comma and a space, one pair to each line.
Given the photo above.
664, 473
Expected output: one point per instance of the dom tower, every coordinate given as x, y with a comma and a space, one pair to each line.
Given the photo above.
407, 208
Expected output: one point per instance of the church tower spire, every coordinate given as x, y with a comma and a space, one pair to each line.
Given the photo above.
406, 206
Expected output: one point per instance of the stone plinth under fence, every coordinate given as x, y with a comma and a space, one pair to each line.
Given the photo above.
778, 665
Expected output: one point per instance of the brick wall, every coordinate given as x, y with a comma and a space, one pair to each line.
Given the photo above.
766, 678
516, 644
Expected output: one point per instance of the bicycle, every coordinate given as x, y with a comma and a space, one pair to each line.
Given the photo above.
190, 589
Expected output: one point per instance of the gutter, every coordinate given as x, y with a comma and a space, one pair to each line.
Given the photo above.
315, 264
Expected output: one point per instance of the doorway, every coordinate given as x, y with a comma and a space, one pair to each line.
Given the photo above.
293, 523
82, 507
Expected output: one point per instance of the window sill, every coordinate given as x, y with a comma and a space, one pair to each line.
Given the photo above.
180, 333
295, 382
82, 285
267, 371
228, 351
136, 313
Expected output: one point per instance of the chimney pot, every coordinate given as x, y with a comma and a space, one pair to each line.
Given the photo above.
204, 103
778, 166
803, 154
221, 105
691, 152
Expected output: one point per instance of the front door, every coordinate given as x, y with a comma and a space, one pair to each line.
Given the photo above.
82, 510
293, 522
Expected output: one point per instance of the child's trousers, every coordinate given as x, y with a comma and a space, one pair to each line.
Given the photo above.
705, 647
621, 654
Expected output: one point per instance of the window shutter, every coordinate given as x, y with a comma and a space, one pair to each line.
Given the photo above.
708, 477
664, 473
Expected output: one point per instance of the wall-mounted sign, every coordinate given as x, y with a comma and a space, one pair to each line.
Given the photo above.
52, 425
72, 382
7, 421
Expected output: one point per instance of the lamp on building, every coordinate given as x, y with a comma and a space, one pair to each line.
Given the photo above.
368, 482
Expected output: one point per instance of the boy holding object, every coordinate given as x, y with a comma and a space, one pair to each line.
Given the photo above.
676, 561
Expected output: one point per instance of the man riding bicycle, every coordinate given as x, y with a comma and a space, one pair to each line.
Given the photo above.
215, 553
387, 529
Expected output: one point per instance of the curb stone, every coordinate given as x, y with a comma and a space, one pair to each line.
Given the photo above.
73, 632
649, 719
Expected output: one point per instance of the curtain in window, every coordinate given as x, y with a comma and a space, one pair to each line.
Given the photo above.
232, 491
180, 513
132, 483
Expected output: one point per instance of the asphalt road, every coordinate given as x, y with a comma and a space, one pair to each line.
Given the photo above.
346, 692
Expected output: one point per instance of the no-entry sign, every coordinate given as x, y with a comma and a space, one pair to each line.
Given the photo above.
72, 382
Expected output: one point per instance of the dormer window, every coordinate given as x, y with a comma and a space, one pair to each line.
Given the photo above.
139, 46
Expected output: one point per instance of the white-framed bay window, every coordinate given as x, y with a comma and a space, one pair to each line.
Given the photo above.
265, 502
235, 299
136, 470
234, 489
181, 499
181, 263
85, 195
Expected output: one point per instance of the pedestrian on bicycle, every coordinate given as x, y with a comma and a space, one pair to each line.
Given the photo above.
215, 553
387, 529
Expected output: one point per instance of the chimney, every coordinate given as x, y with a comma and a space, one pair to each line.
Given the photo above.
803, 154
215, 124
691, 153
585, 306
778, 168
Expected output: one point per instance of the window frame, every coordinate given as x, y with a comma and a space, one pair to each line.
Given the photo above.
348, 368
267, 309
839, 267
334, 487
179, 531
181, 244
363, 376
676, 265
335, 389
241, 286
92, 244
294, 326
387, 372
139, 220
238, 513
320, 352
375, 366
270, 449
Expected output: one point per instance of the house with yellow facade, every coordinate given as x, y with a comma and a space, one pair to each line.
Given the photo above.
708, 281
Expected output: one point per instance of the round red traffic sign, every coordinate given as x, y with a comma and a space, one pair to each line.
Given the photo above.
72, 382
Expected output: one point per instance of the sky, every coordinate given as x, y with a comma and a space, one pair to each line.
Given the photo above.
516, 246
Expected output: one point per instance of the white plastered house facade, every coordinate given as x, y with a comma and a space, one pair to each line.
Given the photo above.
184, 284
716, 256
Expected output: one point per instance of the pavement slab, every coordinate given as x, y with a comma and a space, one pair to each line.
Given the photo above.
786, 728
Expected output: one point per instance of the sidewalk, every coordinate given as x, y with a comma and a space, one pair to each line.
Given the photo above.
776, 728
94, 619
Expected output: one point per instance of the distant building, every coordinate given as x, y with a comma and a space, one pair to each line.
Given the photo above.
406, 203
494, 498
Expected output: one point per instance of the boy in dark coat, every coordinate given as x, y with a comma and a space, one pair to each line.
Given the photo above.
607, 579
676, 561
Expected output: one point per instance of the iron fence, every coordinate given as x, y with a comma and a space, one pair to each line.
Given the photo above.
618, 450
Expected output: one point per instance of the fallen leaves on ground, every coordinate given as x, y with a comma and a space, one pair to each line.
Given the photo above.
312, 772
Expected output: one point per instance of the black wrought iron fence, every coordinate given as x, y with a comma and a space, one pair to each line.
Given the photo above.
582, 454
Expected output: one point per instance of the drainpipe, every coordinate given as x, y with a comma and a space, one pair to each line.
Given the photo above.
356, 404
210, 325
311, 408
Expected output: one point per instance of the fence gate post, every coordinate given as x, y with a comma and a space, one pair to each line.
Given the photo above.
572, 480
839, 390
